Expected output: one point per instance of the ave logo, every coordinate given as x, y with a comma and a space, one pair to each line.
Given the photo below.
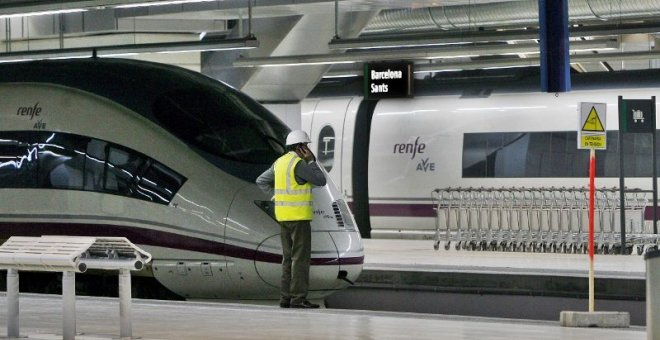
425, 165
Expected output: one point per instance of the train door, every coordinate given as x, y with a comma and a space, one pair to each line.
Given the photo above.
325, 131
359, 164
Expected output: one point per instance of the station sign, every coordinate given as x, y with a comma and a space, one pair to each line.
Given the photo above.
637, 115
388, 80
592, 133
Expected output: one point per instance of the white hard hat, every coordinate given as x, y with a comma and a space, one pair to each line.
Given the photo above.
297, 137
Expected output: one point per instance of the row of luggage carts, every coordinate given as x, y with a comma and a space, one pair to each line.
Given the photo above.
543, 219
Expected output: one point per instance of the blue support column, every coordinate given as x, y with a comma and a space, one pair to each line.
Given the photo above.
555, 66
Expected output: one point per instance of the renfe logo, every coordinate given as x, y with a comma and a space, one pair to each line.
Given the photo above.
29, 111
410, 148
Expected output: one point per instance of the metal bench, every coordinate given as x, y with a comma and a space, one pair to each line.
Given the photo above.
70, 254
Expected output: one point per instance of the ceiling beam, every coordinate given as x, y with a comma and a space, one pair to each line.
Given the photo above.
510, 63
444, 38
451, 51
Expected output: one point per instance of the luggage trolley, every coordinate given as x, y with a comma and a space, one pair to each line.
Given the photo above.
542, 219
449, 203
637, 236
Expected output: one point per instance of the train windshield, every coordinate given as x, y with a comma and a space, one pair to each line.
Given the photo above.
223, 124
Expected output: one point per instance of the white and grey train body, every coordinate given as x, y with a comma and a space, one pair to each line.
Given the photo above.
389, 155
167, 158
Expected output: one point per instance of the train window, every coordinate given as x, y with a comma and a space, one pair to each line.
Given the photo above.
36, 159
610, 167
94, 168
474, 155
122, 170
227, 124
326, 147
60, 161
159, 183
18, 164
550, 154
229, 129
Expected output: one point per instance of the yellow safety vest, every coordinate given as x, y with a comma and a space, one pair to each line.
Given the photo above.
293, 202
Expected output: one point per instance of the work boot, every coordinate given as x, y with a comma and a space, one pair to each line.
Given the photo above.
304, 304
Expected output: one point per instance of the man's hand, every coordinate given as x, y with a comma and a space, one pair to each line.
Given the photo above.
306, 154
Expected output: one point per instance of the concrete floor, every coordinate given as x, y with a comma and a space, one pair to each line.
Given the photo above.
98, 318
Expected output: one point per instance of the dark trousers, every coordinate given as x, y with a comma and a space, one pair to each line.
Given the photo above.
296, 248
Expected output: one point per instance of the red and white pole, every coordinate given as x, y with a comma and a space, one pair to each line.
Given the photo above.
592, 175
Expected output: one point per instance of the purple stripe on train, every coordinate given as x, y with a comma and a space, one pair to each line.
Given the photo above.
156, 238
648, 213
399, 210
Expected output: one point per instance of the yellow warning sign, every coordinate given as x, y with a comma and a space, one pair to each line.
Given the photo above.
591, 126
593, 123
593, 142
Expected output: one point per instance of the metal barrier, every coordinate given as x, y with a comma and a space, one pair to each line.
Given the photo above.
69, 255
546, 219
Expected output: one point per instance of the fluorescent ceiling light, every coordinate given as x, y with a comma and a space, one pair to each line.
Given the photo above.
179, 47
477, 65
161, 3
53, 12
131, 49
342, 75
46, 54
426, 40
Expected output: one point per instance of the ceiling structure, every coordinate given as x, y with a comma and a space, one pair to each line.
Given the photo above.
288, 46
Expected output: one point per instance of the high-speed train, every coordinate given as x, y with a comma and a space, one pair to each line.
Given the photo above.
389, 155
167, 158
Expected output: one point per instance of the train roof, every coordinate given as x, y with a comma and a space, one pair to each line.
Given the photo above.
132, 83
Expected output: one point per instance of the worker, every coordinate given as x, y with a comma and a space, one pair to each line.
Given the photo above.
292, 177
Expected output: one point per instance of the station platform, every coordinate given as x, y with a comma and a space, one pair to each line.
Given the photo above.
410, 276
98, 319
419, 255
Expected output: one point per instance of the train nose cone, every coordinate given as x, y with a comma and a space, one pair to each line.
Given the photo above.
332, 215
337, 251
350, 255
